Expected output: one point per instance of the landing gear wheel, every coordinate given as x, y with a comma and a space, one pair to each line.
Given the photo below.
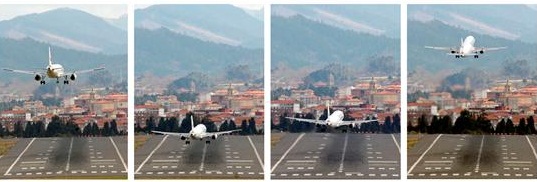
187, 142
66, 82
42, 82
207, 142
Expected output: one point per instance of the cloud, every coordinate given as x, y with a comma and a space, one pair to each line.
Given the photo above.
421, 16
345, 22
206, 34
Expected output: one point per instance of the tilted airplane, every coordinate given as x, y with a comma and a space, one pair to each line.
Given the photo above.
54, 71
197, 133
466, 48
334, 120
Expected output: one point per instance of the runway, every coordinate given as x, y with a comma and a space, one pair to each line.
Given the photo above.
473, 156
336, 156
74, 157
229, 156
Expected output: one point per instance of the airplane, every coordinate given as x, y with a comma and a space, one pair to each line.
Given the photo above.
199, 132
334, 120
53, 71
466, 48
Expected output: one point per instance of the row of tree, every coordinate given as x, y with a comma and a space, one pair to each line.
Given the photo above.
468, 123
58, 128
172, 124
392, 124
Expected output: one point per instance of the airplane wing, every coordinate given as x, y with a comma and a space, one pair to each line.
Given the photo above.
307, 120
24, 71
357, 122
440, 48
87, 71
210, 134
173, 133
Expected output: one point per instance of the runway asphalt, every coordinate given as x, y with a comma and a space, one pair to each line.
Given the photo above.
76, 157
336, 156
473, 156
230, 156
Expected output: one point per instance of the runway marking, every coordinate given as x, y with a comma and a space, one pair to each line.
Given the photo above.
118, 153
33, 162
236, 161
517, 162
19, 157
344, 151
479, 154
396, 144
301, 161
256, 153
287, 152
422, 155
151, 154
69, 155
532, 148
203, 157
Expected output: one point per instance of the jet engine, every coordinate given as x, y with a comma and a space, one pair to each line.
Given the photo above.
183, 138
73, 77
38, 77
214, 137
481, 52
452, 52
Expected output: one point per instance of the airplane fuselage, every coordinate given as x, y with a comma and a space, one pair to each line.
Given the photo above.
55, 71
198, 132
467, 46
335, 119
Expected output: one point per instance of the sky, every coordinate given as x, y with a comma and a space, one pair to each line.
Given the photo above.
243, 6
105, 11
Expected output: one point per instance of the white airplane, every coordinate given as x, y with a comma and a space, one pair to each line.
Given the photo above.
53, 71
466, 48
199, 132
334, 120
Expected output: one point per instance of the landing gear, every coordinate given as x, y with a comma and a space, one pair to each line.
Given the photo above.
207, 142
42, 82
57, 80
457, 56
66, 82
476, 56
187, 142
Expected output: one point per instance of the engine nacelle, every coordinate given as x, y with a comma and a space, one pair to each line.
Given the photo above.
38, 77
214, 137
481, 52
73, 77
351, 126
452, 52
183, 138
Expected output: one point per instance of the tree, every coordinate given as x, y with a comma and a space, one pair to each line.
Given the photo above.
224, 126
521, 128
244, 128
106, 129
396, 125
422, 124
509, 127
149, 124
435, 126
501, 127
251, 126
387, 126
113, 128
531, 126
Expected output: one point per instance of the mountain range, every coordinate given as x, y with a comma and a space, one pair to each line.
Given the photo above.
70, 29
225, 24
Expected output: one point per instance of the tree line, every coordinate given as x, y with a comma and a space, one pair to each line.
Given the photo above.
172, 124
468, 123
392, 124
59, 128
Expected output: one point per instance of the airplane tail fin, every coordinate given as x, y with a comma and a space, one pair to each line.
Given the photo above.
192, 120
328, 107
49, 56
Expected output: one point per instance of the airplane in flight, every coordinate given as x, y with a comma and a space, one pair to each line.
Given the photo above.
466, 48
334, 120
199, 132
54, 71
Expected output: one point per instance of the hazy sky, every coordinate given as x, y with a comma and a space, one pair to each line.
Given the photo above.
243, 6
104, 11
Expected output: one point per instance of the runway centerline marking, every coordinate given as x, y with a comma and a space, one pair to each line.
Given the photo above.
256, 153
422, 155
396, 144
287, 152
118, 153
69, 155
151, 154
343, 152
19, 157
532, 148
203, 157
479, 154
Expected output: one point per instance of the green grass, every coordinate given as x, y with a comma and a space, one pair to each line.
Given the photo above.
411, 140
7, 144
140, 140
